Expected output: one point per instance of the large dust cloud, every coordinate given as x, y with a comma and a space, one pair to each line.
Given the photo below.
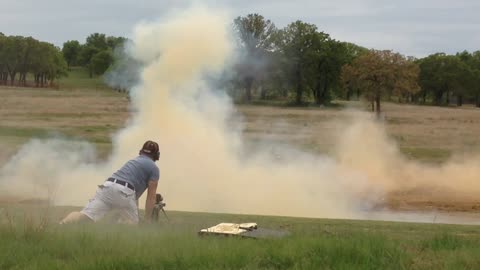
202, 164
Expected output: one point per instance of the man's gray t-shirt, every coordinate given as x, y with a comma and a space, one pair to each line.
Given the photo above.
138, 172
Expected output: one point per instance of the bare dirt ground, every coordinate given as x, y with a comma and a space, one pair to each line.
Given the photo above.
426, 133
423, 133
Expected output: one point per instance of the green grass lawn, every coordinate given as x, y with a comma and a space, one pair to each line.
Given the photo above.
312, 244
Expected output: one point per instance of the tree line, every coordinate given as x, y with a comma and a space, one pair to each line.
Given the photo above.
20, 56
25, 59
297, 63
302, 64
96, 54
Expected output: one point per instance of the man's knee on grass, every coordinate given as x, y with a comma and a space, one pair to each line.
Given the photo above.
75, 217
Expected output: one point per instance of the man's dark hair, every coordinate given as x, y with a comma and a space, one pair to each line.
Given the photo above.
151, 149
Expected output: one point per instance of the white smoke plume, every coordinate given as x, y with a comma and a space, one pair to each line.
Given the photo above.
202, 165
123, 75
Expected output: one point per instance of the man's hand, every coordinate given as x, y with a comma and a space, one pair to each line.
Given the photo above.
150, 203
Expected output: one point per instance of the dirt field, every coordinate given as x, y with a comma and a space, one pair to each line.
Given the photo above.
424, 133
84, 114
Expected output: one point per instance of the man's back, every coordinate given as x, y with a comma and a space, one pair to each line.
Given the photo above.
138, 172
142, 173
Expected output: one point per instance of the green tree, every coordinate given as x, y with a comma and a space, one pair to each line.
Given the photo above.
297, 41
475, 64
22, 55
444, 75
71, 51
328, 58
95, 44
115, 42
352, 51
57, 66
85, 57
98, 41
26, 56
3, 64
256, 38
13, 51
101, 61
471, 76
48, 64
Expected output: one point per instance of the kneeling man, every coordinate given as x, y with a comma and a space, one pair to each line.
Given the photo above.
122, 190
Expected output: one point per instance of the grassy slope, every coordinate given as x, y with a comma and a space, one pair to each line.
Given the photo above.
312, 244
78, 78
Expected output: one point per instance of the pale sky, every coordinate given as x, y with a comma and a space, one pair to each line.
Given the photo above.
411, 27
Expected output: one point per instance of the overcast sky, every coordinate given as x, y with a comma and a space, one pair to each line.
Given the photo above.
412, 27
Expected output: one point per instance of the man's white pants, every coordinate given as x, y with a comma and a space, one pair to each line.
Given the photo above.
112, 196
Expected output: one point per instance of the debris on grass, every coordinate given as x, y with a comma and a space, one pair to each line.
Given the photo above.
245, 230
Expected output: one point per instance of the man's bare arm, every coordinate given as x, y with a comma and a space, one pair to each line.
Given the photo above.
150, 203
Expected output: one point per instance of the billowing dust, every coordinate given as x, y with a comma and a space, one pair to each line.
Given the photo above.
203, 164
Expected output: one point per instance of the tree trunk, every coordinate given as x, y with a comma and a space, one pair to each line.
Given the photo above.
298, 98
23, 79
320, 93
358, 94
324, 94
377, 107
13, 74
438, 98
447, 98
263, 93
477, 100
248, 89
317, 95
425, 97
459, 100
349, 94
